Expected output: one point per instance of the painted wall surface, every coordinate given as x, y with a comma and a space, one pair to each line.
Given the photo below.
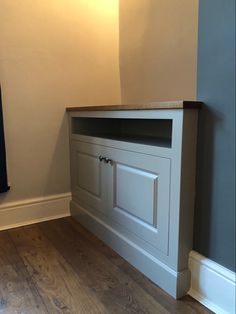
215, 207
53, 53
158, 49
158, 54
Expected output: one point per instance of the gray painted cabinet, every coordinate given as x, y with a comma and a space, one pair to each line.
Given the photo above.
132, 189
132, 177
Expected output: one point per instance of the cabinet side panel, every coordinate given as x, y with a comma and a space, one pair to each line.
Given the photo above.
187, 195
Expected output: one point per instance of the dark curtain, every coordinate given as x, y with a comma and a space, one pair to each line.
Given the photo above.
3, 169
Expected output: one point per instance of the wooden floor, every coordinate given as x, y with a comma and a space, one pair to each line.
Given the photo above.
59, 267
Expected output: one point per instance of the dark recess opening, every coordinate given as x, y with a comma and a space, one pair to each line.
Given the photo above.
3, 166
156, 132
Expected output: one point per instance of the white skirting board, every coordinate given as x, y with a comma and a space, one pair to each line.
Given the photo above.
212, 284
25, 212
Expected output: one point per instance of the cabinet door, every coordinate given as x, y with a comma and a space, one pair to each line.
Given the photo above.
141, 185
88, 176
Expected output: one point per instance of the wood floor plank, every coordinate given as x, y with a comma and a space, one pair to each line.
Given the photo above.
115, 289
18, 294
56, 281
91, 269
60, 267
95, 242
185, 305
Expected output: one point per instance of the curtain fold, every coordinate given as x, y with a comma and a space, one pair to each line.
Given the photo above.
3, 167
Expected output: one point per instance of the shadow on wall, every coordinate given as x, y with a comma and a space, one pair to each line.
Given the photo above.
3, 196
58, 179
208, 121
58, 169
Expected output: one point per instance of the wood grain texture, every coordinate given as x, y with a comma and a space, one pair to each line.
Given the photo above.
60, 267
114, 288
18, 293
182, 104
58, 284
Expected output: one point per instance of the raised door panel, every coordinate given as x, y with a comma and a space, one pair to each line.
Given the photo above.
141, 185
88, 182
135, 190
88, 173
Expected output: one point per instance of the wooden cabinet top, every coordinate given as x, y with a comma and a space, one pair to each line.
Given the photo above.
182, 104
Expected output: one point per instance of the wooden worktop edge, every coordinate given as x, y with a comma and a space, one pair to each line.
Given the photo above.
145, 106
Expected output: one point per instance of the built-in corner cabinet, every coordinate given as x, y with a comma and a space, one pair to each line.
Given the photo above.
133, 183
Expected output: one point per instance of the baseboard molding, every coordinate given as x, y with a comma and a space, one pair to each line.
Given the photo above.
212, 284
175, 283
25, 212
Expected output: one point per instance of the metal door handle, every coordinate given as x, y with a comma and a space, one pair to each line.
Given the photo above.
101, 158
105, 159
108, 161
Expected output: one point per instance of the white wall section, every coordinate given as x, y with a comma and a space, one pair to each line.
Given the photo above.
158, 50
52, 54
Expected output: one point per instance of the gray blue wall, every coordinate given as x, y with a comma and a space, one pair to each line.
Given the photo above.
215, 204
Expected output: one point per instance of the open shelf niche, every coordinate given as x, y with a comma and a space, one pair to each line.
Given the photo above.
142, 131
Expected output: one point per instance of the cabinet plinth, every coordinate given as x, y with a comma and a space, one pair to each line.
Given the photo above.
132, 180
